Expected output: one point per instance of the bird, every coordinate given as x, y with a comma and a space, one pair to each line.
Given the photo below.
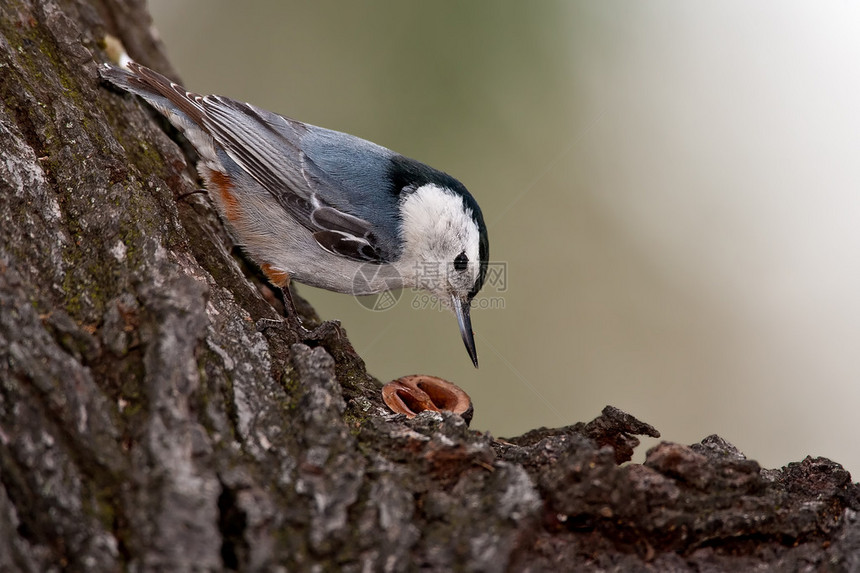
325, 208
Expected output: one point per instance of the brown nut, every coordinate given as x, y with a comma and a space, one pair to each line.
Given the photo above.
413, 394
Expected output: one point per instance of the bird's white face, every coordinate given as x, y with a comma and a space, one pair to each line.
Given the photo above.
441, 244
441, 251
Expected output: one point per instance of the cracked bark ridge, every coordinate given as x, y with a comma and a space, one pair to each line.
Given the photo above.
687, 508
146, 425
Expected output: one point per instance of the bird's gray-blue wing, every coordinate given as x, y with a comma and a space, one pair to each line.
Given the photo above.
268, 147
330, 200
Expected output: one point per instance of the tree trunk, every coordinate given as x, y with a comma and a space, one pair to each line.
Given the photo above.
147, 425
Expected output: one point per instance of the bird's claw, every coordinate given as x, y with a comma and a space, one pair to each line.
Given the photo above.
320, 333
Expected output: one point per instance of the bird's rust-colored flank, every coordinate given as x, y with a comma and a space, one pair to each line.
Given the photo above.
277, 277
221, 183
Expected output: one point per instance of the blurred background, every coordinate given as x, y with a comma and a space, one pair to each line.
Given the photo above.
672, 192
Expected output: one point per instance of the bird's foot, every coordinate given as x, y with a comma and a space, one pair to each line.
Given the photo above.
294, 325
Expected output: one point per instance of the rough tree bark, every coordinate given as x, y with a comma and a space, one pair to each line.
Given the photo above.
146, 425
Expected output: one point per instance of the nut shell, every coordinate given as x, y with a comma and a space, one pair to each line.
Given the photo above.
411, 395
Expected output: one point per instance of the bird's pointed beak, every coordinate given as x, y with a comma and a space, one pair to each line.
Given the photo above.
464, 321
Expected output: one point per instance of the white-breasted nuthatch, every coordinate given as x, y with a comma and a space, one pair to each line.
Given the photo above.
326, 208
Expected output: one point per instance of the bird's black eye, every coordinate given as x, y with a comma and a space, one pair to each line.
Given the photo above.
461, 262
